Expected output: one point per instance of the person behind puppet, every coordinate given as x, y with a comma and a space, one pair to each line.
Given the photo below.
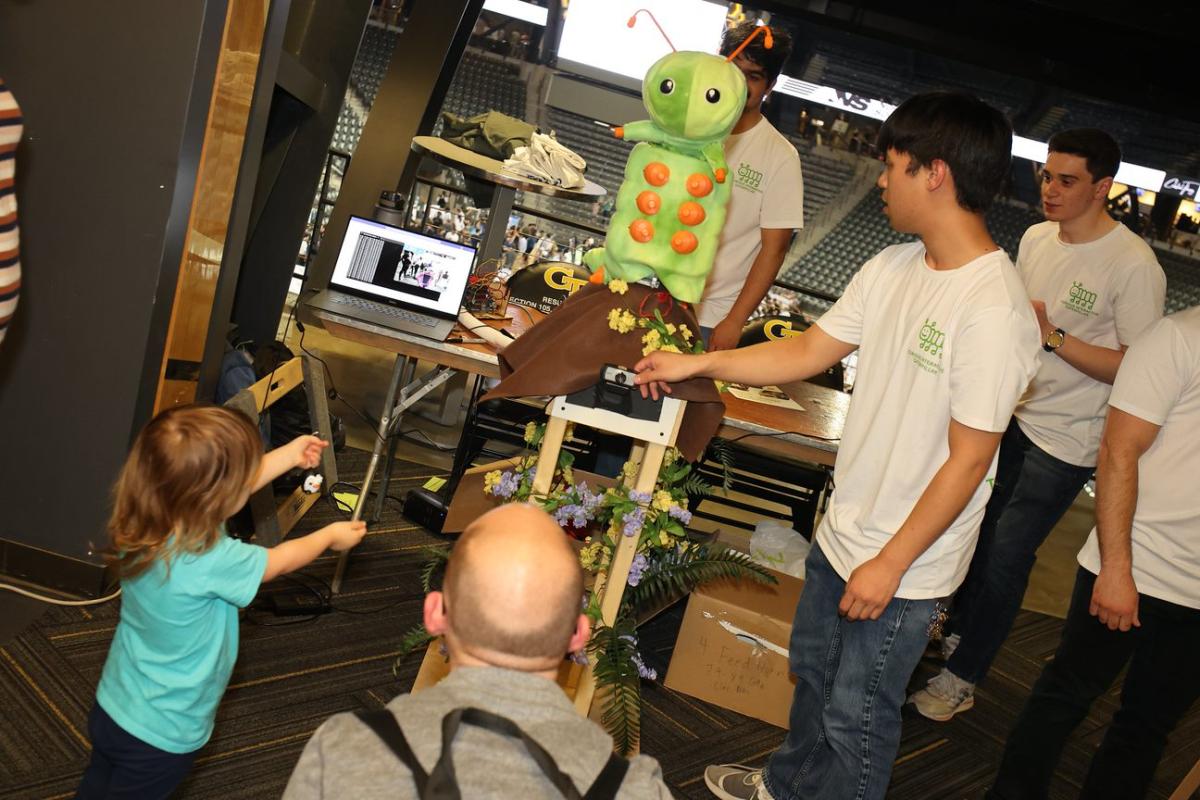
766, 205
182, 581
509, 613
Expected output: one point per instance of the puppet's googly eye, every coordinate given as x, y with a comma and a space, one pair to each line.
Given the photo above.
712, 95
667, 86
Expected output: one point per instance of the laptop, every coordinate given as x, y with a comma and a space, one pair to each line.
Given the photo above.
398, 279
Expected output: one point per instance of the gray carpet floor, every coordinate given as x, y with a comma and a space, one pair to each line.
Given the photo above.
291, 677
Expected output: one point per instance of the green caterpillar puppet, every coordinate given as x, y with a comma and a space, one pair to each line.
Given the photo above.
670, 208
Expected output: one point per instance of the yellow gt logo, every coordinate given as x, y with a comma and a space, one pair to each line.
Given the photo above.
562, 278
779, 329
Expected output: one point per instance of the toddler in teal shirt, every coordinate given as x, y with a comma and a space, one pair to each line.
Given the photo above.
183, 581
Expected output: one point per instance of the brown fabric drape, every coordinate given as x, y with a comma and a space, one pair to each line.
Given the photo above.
565, 352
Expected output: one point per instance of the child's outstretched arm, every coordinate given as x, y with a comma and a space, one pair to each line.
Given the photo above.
296, 553
303, 452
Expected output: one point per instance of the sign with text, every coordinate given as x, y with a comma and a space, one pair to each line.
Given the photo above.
1183, 187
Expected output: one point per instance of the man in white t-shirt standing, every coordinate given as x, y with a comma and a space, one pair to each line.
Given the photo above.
767, 203
947, 343
1139, 576
1095, 287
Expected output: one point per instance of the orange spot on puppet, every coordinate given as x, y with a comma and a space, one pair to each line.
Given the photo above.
619, 131
597, 276
691, 213
684, 242
656, 173
649, 202
642, 231
698, 185
720, 173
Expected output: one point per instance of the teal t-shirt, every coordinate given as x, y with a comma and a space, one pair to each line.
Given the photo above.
175, 644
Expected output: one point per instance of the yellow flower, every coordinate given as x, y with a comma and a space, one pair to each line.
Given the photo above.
685, 332
662, 500
490, 479
652, 337
669, 348
629, 470
618, 286
664, 539
530, 432
671, 329
621, 320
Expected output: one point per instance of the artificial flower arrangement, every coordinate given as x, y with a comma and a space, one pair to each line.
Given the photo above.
668, 562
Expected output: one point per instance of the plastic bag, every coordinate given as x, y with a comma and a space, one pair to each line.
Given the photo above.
773, 544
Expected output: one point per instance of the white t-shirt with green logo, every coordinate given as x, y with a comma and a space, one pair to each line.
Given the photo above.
1105, 293
932, 346
1159, 381
768, 192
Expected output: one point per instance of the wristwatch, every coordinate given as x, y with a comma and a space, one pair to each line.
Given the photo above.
1054, 340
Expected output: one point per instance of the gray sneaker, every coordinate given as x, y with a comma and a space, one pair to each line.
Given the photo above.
945, 695
735, 782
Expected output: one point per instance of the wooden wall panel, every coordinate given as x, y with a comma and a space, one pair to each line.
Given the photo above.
224, 141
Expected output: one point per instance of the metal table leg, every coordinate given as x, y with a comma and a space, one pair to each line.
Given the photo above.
381, 435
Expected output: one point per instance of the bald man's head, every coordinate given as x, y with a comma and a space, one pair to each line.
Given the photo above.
514, 585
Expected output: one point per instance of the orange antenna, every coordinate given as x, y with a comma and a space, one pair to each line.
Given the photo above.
633, 20
768, 41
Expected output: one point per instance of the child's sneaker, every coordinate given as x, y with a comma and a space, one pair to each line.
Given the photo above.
735, 782
945, 695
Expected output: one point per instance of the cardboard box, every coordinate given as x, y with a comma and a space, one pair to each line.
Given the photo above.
732, 647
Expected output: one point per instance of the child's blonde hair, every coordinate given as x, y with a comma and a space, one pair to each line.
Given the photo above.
188, 469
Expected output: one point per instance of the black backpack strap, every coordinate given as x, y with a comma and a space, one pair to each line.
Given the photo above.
444, 771
608, 782
384, 724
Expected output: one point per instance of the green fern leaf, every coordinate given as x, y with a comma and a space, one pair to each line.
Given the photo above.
676, 574
618, 685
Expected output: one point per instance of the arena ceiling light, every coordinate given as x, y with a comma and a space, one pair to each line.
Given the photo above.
1129, 174
518, 9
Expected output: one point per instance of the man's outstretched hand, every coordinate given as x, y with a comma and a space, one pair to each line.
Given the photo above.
659, 369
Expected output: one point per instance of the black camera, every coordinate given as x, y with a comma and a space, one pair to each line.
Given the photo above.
617, 392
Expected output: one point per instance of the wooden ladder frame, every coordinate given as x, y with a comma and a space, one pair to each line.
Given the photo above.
651, 440
272, 523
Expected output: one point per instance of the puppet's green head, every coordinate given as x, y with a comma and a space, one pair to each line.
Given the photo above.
694, 96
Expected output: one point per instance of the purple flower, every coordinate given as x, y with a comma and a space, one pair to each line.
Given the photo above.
639, 497
506, 486
634, 521
681, 514
642, 669
579, 657
637, 568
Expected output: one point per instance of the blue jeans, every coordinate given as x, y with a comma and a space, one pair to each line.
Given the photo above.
1158, 690
844, 726
1032, 491
123, 766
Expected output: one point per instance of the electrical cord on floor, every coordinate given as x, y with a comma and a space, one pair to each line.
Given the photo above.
55, 601
327, 596
265, 604
784, 433
430, 442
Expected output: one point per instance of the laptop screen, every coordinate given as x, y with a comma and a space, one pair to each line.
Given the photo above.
398, 266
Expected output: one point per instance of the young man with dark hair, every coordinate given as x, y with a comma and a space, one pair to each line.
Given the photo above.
767, 204
947, 343
1095, 286
1137, 592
